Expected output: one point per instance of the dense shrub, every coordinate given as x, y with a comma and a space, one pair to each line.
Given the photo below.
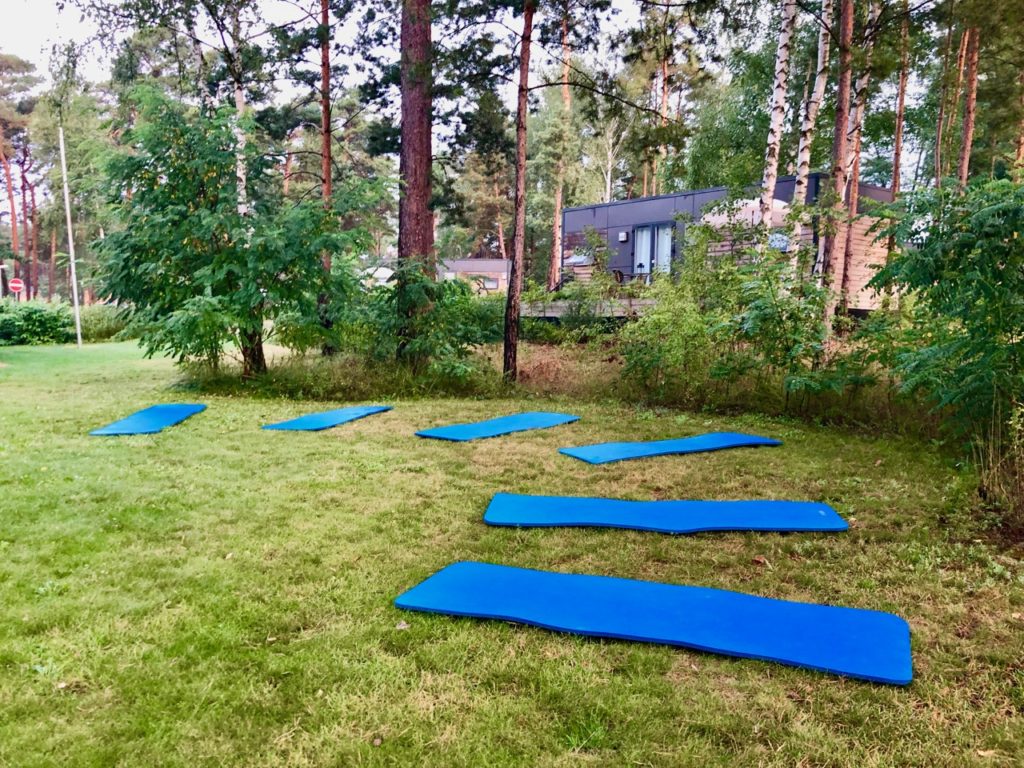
35, 322
432, 326
962, 257
103, 322
669, 351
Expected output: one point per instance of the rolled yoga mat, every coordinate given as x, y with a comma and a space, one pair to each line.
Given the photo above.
864, 644
314, 422
512, 509
151, 420
602, 453
517, 422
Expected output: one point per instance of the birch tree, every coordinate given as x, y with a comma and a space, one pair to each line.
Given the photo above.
812, 106
854, 136
839, 144
778, 110
555, 265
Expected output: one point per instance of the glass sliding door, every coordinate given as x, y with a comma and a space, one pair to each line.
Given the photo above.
663, 248
642, 238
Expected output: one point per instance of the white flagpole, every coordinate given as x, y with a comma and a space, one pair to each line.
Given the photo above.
71, 237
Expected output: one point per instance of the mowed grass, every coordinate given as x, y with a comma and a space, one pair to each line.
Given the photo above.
221, 595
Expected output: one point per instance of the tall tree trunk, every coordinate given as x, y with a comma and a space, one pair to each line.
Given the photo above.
853, 142
499, 227
940, 120
663, 148
515, 283
326, 165
1018, 158
952, 109
287, 173
839, 149
15, 243
901, 103
901, 99
253, 359
35, 242
241, 141
813, 105
26, 231
205, 100
859, 96
555, 265
847, 240
415, 222
970, 106
777, 112
51, 283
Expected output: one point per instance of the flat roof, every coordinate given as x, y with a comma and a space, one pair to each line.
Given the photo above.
686, 193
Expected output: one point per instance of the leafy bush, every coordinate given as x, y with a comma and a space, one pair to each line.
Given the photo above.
434, 325
198, 272
962, 257
669, 351
747, 328
35, 322
103, 322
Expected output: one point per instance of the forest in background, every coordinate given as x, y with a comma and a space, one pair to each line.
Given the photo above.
686, 98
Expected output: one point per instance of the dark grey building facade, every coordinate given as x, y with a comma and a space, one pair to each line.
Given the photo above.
642, 235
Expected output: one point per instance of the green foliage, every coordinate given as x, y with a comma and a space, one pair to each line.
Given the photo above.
198, 273
103, 322
436, 323
745, 322
779, 327
34, 322
668, 351
962, 256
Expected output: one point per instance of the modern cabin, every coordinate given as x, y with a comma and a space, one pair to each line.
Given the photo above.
643, 235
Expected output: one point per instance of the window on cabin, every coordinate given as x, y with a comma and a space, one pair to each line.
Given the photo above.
652, 248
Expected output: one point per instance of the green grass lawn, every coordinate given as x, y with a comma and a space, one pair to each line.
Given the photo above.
221, 595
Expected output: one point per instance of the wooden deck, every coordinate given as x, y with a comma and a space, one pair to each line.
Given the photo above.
609, 308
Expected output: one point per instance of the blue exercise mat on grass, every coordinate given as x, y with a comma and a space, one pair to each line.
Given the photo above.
865, 644
602, 453
313, 422
663, 516
151, 420
503, 425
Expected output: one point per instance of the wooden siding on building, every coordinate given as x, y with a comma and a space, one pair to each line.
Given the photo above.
869, 254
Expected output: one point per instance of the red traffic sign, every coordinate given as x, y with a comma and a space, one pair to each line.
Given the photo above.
17, 285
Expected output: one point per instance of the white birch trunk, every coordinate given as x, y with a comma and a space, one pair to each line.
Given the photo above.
778, 110
860, 92
241, 172
813, 106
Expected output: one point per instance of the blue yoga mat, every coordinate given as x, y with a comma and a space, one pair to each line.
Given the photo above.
313, 422
662, 516
869, 645
151, 420
602, 453
517, 422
